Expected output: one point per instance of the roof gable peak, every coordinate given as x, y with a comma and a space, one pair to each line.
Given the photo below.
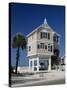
45, 21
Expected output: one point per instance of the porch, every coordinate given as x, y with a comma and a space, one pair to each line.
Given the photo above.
40, 64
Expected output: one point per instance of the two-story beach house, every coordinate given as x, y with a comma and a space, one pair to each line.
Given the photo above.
42, 43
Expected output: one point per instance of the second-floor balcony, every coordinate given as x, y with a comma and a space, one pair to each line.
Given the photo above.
40, 48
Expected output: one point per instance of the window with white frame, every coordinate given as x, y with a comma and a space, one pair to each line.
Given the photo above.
49, 47
35, 62
42, 45
45, 35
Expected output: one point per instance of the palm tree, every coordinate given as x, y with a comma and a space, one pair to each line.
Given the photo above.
18, 41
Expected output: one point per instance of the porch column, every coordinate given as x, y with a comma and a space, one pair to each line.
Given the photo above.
29, 64
37, 63
49, 67
33, 64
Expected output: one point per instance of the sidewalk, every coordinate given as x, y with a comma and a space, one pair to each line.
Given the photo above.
37, 78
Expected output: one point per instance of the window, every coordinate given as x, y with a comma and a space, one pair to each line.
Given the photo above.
43, 64
48, 35
45, 35
49, 47
42, 45
29, 48
41, 35
38, 46
35, 63
35, 69
55, 38
45, 46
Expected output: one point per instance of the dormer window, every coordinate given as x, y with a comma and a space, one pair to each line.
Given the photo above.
45, 35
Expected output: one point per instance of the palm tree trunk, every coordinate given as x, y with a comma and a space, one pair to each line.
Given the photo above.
17, 59
16, 65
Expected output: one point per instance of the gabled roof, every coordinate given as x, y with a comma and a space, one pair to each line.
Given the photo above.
42, 26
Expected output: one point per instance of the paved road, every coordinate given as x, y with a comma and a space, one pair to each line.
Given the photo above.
23, 81
52, 78
52, 82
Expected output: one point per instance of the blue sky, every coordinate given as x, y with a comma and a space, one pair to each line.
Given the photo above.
27, 17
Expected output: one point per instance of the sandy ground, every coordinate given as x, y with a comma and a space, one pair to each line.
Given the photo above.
53, 77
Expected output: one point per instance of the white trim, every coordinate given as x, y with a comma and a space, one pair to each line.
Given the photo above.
37, 59
35, 30
32, 64
29, 63
42, 25
45, 30
49, 67
37, 63
47, 53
